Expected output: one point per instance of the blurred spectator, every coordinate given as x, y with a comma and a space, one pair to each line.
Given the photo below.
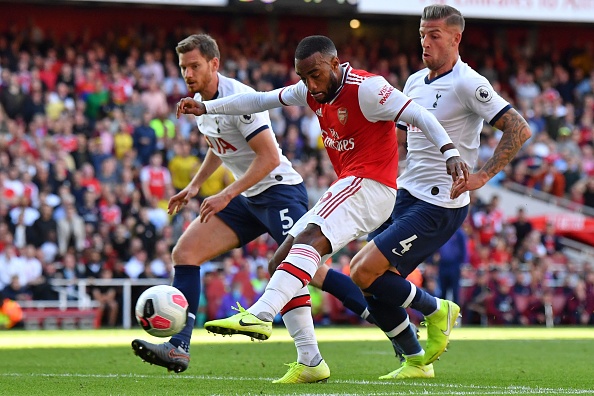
71, 269
522, 227
71, 230
145, 139
230, 299
488, 222
154, 99
38, 232
214, 290
164, 130
106, 296
12, 98
450, 258
548, 179
550, 239
260, 281
183, 166
501, 307
476, 303
16, 291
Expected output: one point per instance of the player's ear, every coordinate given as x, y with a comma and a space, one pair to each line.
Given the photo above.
215, 64
335, 63
457, 38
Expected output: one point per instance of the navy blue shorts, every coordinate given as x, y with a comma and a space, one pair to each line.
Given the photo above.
415, 231
273, 211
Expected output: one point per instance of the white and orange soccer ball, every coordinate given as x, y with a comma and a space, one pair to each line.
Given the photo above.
162, 310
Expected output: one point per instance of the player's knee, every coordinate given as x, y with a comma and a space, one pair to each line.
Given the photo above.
318, 278
182, 256
360, 275
313, 236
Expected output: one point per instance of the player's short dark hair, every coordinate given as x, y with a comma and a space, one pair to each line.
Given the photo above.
312, 44
202, 42
452, 16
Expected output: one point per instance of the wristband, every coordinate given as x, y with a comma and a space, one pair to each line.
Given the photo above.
451, 153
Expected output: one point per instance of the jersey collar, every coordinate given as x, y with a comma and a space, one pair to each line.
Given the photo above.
429, 81
346, 69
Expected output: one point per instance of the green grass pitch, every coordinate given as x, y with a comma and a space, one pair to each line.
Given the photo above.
481, 361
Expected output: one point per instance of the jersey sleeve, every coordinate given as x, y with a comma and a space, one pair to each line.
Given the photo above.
401, 124
251, 124
255, 102
380, 101
478, 95
294, 95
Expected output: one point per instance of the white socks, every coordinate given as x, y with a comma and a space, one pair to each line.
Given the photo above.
299, 323
290, 277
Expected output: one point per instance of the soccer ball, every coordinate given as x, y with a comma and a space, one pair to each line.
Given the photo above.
162, 310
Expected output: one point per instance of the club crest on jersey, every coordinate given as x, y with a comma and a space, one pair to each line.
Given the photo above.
437, 96
343, 114
483, 94
247, 118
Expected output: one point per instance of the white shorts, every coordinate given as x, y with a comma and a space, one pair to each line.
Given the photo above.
350, 208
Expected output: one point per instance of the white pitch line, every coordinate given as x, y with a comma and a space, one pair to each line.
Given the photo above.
452, 389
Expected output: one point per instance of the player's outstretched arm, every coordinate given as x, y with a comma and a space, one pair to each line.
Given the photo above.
245, 102
515, 133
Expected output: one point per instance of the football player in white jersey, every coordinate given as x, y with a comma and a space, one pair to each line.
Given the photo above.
429, 207
268, 196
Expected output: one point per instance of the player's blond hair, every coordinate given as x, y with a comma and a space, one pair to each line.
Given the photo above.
202, 42
452, 16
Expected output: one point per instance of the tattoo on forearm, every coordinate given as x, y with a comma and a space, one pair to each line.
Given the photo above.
515, 133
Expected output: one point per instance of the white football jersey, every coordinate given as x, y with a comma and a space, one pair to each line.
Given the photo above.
460, 100
228, 137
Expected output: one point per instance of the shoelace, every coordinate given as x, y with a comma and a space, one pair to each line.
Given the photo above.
239, 308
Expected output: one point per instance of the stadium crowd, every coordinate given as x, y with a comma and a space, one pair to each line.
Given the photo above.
91, 151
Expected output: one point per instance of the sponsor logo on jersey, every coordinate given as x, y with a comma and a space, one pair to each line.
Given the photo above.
339, 145
483, 94
319, 113
220, 145
247, 118
385, 93
343, 114
334, 134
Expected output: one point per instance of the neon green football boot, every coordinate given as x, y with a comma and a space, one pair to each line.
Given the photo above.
439, 328
301, 374
413, 367
241, 323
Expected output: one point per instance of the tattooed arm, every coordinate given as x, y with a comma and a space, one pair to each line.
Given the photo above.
515, 133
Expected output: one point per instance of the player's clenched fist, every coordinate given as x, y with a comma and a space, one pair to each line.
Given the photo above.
190, 106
